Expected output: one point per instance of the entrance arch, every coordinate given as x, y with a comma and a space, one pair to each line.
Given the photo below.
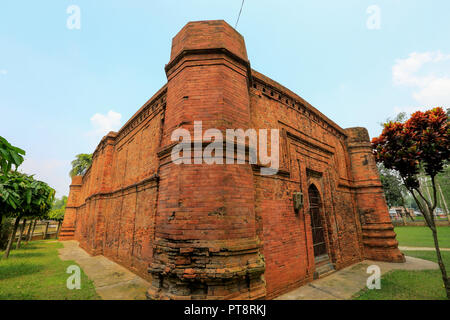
317, 228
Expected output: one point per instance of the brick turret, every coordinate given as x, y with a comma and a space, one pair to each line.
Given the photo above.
205, 232
377, 229
68, 227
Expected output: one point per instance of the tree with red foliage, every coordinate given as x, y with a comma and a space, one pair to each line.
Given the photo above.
422, 142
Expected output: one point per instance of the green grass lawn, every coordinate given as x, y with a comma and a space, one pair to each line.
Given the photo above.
35, 272
421, 236
414, 285
410, 285
420, 218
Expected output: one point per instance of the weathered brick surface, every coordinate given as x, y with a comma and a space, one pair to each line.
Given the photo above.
225, 231
377, 229
68, 227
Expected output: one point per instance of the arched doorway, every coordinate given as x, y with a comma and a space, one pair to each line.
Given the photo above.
317, 228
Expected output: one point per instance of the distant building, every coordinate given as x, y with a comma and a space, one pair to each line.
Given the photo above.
397, 212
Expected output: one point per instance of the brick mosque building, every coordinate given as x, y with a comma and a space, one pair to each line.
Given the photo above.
225, 231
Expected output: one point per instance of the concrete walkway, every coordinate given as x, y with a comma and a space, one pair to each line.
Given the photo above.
114, 282
111, 281
343, 284
422, 249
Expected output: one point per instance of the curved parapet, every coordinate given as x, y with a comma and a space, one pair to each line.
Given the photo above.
206, 35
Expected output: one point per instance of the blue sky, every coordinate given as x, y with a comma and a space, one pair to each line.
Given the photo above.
61, 89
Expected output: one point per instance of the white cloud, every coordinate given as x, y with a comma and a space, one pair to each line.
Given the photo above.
105, 123
54, 172
435, 93
3, 72
430, 89
102, 124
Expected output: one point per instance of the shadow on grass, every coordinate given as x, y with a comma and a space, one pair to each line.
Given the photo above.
26, 254
24, 246
9, 271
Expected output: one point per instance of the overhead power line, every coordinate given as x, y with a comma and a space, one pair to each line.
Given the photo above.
240, 11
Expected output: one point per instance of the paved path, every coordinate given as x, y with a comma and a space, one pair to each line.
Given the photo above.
422, 249
114, 282
111, 281
343, 284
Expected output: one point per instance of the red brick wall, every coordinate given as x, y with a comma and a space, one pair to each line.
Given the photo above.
312, 151
117, 202
206, 242
225, 231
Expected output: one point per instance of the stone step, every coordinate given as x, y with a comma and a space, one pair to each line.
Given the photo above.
67, 237
323, 270
320, 259
326, 274
67, 230
64, 233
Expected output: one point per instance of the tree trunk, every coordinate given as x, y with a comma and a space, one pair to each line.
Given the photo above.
406, 210
57, 230
403, 215
425, 186
441, 263
1, 222
11, 239
46, 230
432, 225
29, 230
24, 223
30, 236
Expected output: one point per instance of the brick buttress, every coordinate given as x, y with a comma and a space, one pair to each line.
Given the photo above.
377, 229
205, 233
68, 227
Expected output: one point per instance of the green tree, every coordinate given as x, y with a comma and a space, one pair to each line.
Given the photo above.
410, 202
22, 197
9, 156
58, 211
81, 164
391, 185
59, 203
57, 214
423, 141
394, 190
